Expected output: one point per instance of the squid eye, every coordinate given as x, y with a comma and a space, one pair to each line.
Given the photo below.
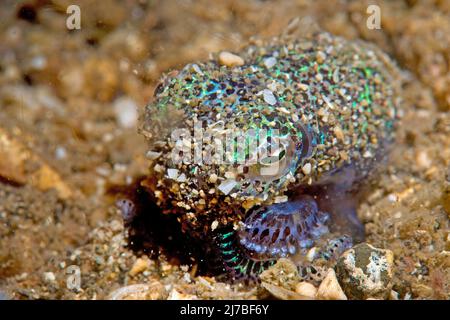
275, 158
281, 154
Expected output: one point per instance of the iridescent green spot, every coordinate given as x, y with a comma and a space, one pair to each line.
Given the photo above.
228, 252
368, 72
233, 260
304, 69
364, 126
225, 245
226, 235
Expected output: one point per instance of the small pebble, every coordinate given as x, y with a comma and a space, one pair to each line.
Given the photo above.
226, 186
60, 153
172, 173
49, 277
230, 59
140, 265
392, 198
330, 289
306, 289
339, 133
213, 178
126, 112
281, 199
423, 160
270, 62
321, 57
306, 169
303, 87
269, 97
175, 295
311, 255
366, 272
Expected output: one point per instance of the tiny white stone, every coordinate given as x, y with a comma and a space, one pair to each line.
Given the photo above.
423, 160
187, 277
270, 62
368, 154
172, 173
328, 102
227, 186
230, 175
60, 153
281, 199
392, 197
214, 225
49, 277
230, 60
330, 289
39, 62
398, 215
175, 295
213, 178
269, 97
306, 289
181, 178
303, 86
306, 169
126, 112
311, 255
284, 110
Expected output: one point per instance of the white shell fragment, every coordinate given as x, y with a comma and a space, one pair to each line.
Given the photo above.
270, 62
226, 186
269, 97
172, 173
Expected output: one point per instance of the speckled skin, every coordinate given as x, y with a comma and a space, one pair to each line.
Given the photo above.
334, 105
